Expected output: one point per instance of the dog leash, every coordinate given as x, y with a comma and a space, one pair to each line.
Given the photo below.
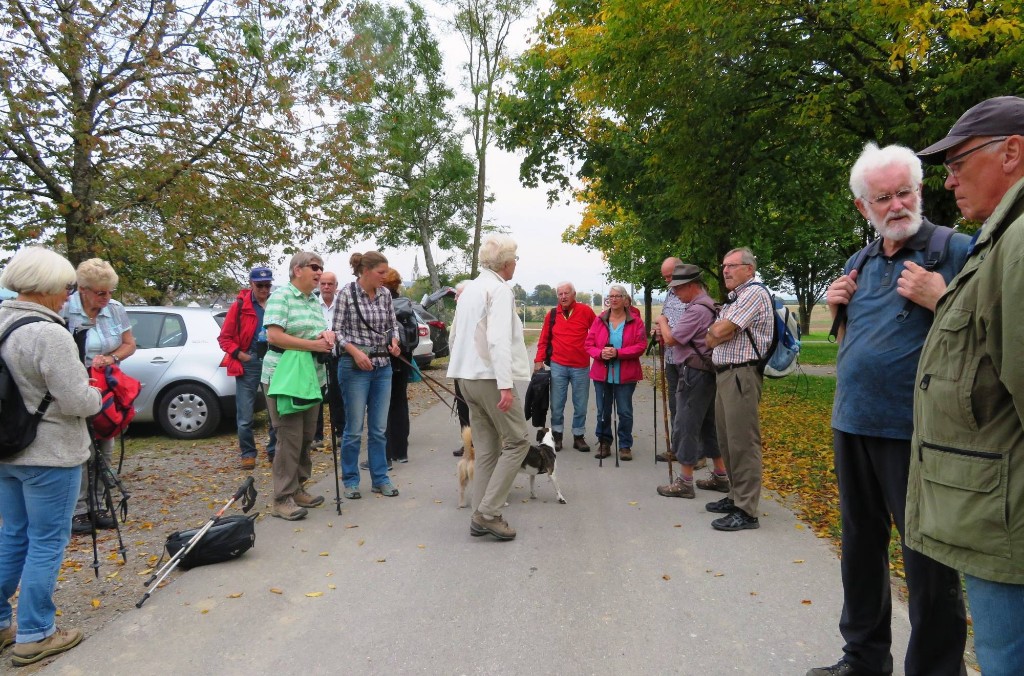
430, 379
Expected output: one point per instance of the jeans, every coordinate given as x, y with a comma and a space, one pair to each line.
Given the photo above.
36, 505
998, 610
561, 376
247, 388
623, 393
369, 393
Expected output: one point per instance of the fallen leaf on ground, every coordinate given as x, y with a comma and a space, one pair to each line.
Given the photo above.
313, 595
633, 503
96, 603
422, 546
324, 554
332, 586
806, 602
666, 577
381, 560
798, 560
275, 590
236, 595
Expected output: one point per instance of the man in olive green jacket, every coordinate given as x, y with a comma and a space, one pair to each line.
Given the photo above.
965, 499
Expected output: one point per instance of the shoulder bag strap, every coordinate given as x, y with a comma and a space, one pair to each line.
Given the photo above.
355, 302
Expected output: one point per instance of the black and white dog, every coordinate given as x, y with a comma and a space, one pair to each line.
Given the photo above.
540, 459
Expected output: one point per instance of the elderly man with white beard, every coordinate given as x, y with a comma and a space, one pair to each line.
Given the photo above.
889, 304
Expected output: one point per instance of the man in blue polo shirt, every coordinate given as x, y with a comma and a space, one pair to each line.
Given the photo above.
889, 305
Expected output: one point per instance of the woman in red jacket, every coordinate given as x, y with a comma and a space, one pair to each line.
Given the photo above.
616, 340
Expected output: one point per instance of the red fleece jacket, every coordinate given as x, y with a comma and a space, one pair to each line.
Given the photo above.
570, 334
237, 332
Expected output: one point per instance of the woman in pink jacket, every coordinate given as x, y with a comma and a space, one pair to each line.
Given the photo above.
616, 340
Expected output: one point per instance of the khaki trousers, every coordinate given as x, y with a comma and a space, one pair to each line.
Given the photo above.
501, 441
739, 433
292, 464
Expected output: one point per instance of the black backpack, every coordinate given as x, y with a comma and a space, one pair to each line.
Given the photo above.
409, 332
17, 425
228, 538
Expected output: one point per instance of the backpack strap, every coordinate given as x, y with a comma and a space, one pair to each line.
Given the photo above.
15, 325
355, 302
763, 359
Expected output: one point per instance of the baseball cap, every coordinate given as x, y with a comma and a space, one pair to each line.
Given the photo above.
261, 274
1000, 116
684, 273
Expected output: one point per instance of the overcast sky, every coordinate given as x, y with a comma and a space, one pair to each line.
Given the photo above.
524, 213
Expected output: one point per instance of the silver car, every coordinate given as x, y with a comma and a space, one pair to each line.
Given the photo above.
184, 388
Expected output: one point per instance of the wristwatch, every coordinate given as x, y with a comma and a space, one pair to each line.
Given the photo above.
117, 360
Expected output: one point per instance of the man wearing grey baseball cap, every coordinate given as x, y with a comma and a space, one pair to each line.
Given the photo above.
965, 498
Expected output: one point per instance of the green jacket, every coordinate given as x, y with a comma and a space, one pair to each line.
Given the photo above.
965, 498
294, 383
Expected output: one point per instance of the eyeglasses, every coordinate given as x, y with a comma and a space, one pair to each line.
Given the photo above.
102, 294
262, 285
729, 266
314, 267
952, 164
614, 295
903, 194
71, 288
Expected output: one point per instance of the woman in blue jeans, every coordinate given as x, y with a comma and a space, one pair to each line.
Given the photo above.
616, 340
39, 485
367, 332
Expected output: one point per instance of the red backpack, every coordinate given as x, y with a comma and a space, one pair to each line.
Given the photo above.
119, 391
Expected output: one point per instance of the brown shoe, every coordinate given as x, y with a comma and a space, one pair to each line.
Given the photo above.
304, 499
8, 635
665, 457
677, 489
625, 454
580, 444
604, 448
287, 509
481, 524
714, 483
248, 463
54, 644
557, 436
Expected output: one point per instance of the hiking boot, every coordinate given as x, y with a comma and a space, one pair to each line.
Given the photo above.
665, 457
625, 454
316, 445
557, 436
723, 506
677, 489
738, 520
716, 482
80, 524
387, 490
604, 448
54, 644
8, 635
287, 509
580, 444
104, 521
352, 493
481, 524
304, 499
840, 668
365, 464
248, 463
458, 452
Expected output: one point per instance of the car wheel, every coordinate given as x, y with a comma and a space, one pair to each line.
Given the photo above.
189, 411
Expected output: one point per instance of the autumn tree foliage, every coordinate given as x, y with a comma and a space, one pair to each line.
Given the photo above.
713, 125
171, 138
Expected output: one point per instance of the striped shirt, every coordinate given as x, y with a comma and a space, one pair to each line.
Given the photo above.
299, 315
379, 313
749, 307
673, 310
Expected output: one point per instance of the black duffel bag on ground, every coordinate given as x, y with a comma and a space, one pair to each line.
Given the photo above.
228, 538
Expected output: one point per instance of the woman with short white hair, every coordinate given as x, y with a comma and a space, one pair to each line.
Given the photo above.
103, 333
38, 485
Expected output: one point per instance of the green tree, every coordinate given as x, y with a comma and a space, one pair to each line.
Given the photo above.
406, 144
168, 129
484, 26
543, 294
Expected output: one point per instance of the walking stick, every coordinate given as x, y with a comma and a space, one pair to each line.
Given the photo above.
654, 392
332, 375
664, 414
615, 426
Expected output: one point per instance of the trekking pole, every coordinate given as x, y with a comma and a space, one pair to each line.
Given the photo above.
650, 349
615, 426
664, 415
92, 504
109, 483
120, 461
246, 490
332, 376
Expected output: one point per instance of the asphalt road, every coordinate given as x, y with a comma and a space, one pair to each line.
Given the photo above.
618, 581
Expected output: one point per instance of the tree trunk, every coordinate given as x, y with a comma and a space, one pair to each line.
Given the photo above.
428, 257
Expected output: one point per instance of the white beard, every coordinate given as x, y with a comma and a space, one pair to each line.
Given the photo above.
901, 231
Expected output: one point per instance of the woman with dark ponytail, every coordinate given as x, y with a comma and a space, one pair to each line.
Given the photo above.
367, 332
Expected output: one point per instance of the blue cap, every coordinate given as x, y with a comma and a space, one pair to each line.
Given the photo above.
261, 275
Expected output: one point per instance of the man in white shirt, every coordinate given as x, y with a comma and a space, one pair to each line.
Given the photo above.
328, 302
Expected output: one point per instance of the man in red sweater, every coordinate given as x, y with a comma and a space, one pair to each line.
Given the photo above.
561, 347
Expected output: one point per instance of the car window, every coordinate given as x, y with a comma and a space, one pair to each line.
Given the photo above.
220, 317
423, 314
157, 329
